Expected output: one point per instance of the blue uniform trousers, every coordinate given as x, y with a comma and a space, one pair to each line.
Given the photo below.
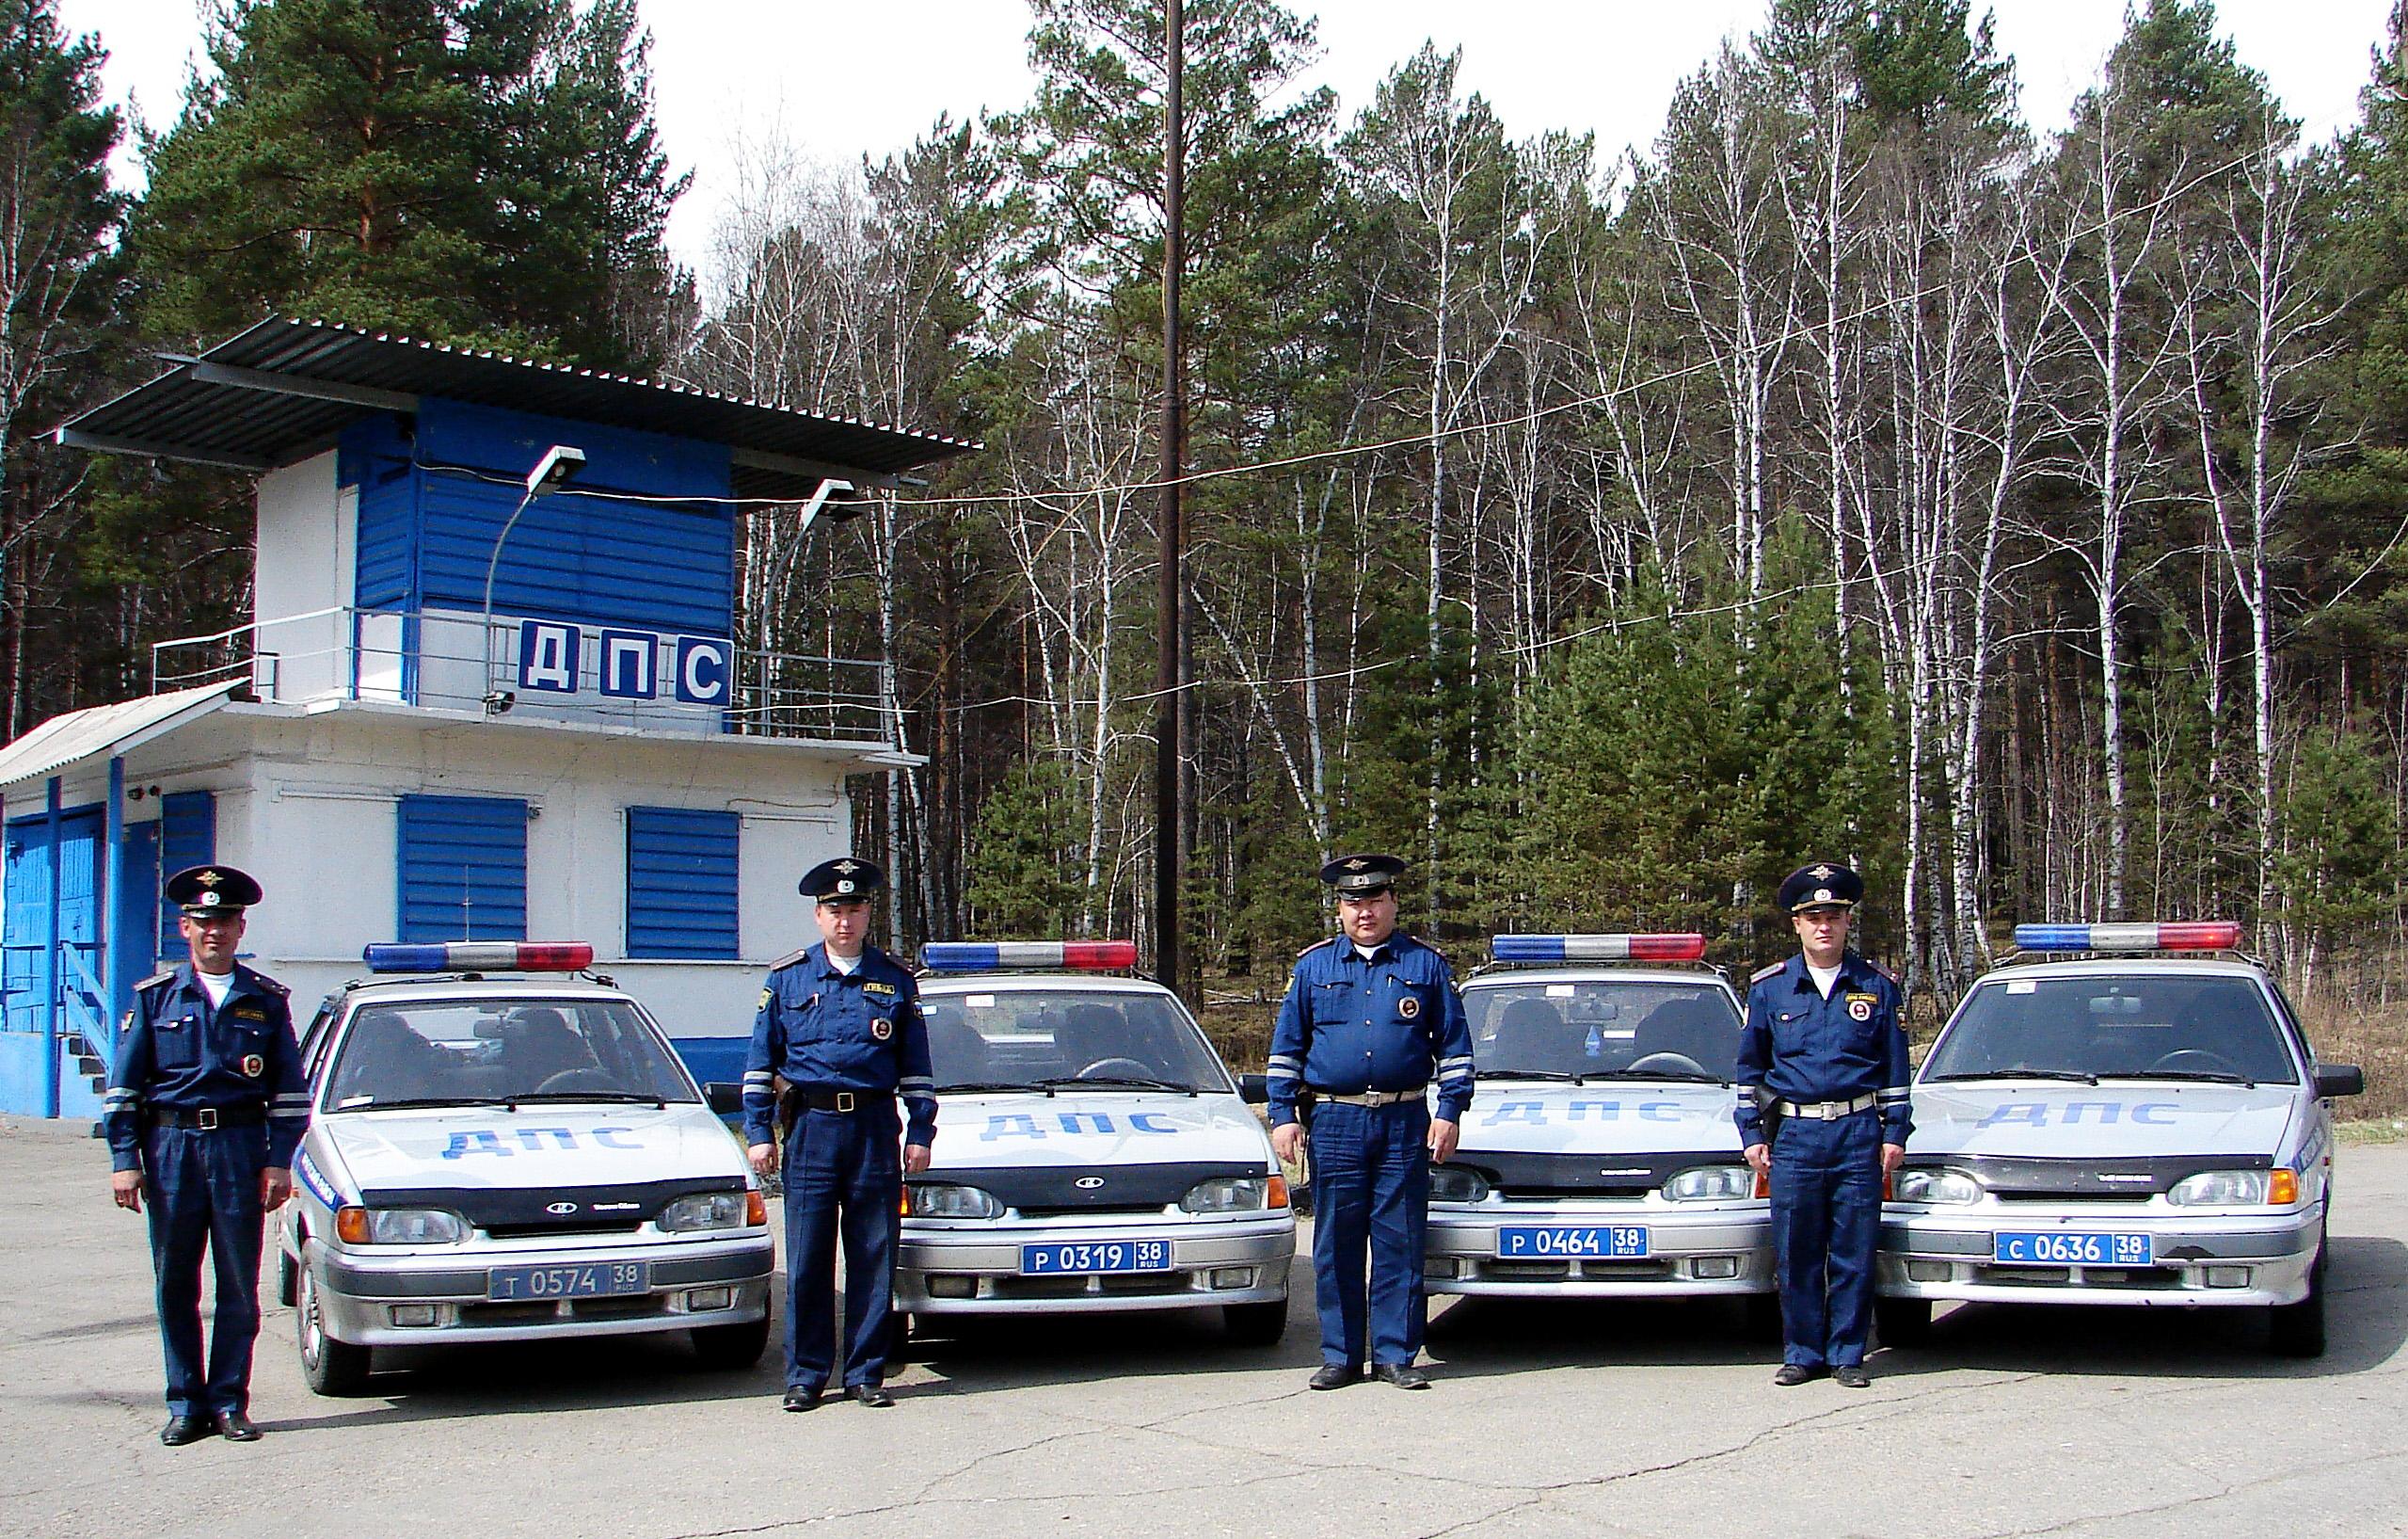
200, 1191
1827, 1220
1370, 1188
844, 1174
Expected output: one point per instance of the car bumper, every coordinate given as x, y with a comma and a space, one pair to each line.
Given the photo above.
1709, 1252
365, 1298
949, 1270
2233, 1261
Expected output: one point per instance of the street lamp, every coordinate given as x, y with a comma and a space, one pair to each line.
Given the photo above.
552, 472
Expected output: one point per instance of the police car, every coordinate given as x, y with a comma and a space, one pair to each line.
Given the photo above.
1600, 1158
2121, 1114
1091, 1152
510, 1157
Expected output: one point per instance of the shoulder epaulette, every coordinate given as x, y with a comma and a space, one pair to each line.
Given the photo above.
1887, 973
789, 958
1325, 940
165, 976
1761, 973
268, 985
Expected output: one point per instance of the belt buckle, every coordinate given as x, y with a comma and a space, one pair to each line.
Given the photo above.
844, 1100
1827, 1111
206, 1119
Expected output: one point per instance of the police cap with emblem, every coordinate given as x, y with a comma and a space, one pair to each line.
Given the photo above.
842, 880
1823, 885
203, 890
1362, 875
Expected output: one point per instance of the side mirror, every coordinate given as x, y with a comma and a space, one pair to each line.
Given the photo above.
1254, 1089
724, 1098
2340, 1079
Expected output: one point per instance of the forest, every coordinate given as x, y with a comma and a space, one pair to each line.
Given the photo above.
1855, 472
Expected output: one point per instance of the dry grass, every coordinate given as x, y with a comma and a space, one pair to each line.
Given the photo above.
2375, 1039
1242, 1033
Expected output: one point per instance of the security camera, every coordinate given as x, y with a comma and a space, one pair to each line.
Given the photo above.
552, 472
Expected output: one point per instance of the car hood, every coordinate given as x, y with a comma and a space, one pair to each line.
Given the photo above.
1541, 1116
491, 1147
1002, 1129
2116, 1119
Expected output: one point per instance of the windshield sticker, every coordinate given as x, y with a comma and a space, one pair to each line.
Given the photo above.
2104, 1113
1534, 1112
2023, 985
486, 1141
1559, 991
1022, 1125
980, 1001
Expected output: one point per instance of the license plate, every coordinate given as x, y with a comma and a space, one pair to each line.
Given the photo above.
1096, 1255
1601, 1241
586, 1280
2063, 1247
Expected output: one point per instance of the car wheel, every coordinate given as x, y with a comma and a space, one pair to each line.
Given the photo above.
1903, 1322
1255, 1325
899, 1335
1760, 1317
332, 1367
2297, 1330
727, 1349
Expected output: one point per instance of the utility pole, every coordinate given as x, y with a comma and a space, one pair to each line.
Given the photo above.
1167, 823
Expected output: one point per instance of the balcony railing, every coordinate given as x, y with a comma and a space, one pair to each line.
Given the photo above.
441, 659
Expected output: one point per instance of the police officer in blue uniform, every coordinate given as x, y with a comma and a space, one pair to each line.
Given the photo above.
840, 1023
205, 1106
1822, 1108
1370, 1020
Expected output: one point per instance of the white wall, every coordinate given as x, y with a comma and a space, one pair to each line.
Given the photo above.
307, 564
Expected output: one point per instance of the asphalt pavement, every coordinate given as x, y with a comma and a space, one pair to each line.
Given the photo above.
1588, 1420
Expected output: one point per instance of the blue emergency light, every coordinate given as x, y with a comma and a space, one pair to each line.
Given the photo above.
1597, 948
990, 955
2198, 936
479, 956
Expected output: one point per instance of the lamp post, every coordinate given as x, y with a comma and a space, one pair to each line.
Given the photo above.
552, 472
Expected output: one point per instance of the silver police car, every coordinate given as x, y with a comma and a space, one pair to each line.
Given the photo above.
2121, 1114
510, 1157
1091, 1152
1600, 1158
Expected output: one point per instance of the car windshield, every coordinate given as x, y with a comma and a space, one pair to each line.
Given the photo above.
1610, 1027
1010, 1038
2135, 1026
467, 1050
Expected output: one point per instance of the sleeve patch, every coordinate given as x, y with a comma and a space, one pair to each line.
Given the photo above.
1761, 973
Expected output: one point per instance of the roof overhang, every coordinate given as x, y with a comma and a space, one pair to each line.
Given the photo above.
104, 731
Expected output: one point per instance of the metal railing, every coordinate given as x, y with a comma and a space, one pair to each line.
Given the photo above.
434, 659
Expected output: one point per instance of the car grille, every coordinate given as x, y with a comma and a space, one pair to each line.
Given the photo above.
1610, 1271
2139, 1278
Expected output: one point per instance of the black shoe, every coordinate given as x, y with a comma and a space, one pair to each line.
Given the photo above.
1850, 1376
800, 1398
1796, 1373
1333, 1376
181, 1430
1403, 1375
235, 1427
872, 1395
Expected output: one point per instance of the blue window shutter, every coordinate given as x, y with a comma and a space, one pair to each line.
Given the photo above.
681, 883
463, 868
187, 837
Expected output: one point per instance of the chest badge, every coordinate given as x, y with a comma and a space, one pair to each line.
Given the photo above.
1859, 1008
253, 1064
881, 1028
1409, 1006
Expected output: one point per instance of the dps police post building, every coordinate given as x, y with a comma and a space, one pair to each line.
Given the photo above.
490, 689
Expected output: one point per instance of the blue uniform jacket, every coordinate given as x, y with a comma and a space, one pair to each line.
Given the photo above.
1800, 1047
1390, 1023
836, 1030
174, 1051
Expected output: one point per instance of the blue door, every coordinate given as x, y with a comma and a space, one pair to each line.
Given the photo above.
28, 966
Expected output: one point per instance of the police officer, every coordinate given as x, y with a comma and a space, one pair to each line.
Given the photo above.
1823, 1051
204, 1108
1370, 1020
840, 1023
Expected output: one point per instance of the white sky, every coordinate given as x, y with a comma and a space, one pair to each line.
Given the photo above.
841, 80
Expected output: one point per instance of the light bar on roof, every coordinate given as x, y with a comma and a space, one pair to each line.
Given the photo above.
2197, 936
1047, 956
479, 956
1598, 947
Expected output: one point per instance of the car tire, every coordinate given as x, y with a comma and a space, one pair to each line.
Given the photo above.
333, 1367
1255, 1325
899, 1335
1760, 1318
1903, 1322
287, 1282
729, 1349
2297, 1330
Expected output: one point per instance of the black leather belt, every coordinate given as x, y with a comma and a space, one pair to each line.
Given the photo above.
207, 1118
820, 1100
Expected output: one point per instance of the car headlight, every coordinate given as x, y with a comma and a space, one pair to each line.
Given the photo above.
1710, 1183
937, 1199
1942, 1186
399, 1227
2236, 1189
1456, 1184
1235, 1194
704, 1211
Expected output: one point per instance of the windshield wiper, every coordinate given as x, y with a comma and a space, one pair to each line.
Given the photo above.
373, 1104
2076, 1076
1130, 1081
2201, 1076
1015, 1086
548, 1097
1527, 1074
1680, 1076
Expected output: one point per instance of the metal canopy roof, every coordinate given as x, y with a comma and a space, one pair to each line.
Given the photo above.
116, 729
284, 388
